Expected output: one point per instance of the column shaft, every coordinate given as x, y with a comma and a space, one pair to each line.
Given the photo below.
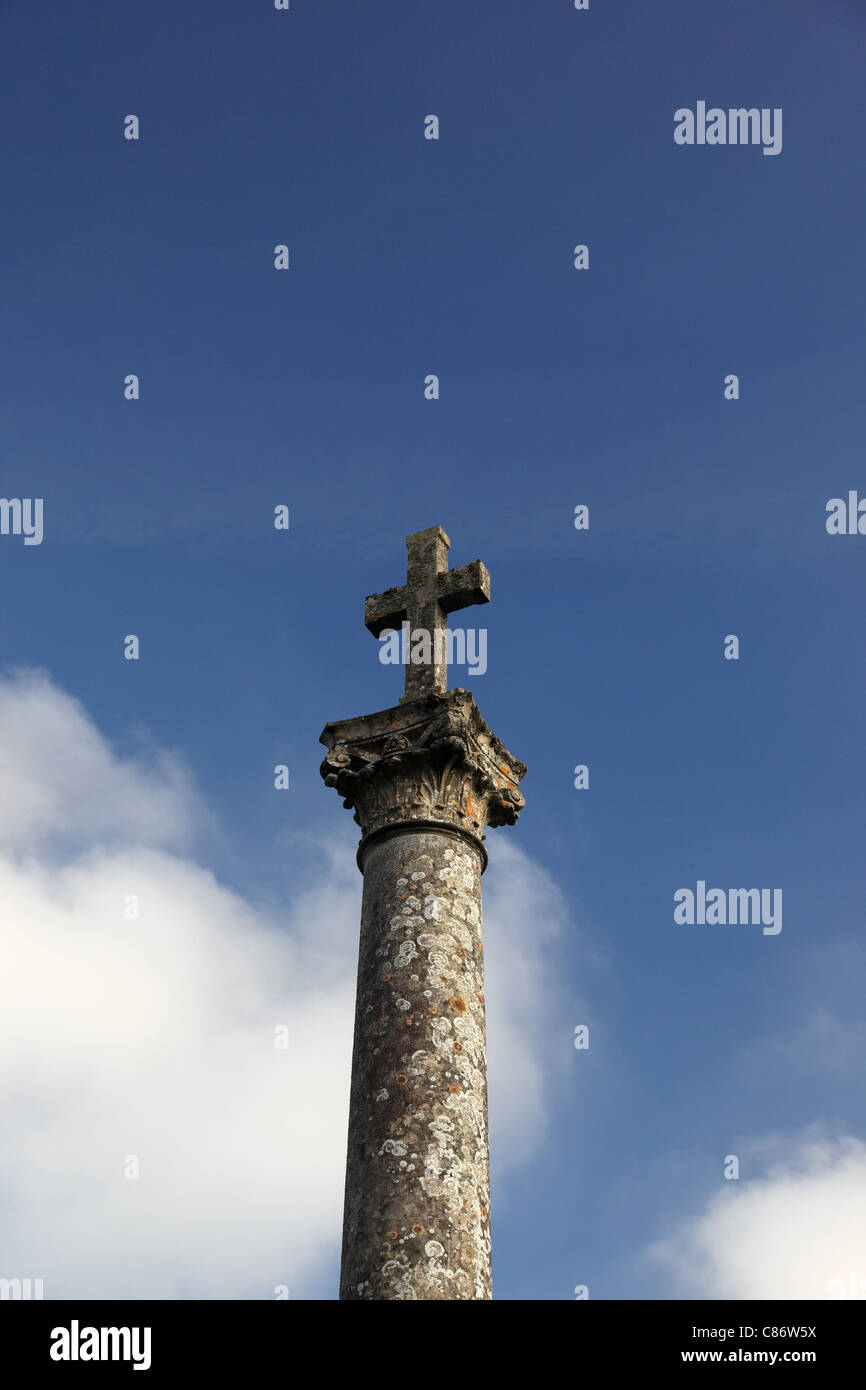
417, 1206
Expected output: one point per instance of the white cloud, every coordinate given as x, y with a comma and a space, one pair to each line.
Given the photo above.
796, 1231
528, 1039
154, 1037
69, 786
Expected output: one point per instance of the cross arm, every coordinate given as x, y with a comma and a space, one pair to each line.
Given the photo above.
385, 610
461, 588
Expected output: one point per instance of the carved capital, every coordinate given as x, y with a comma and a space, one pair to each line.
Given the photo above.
432, 760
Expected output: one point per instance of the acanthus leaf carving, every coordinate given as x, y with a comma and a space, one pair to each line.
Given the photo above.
432, 760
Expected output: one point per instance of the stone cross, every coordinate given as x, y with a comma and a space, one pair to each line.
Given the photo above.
430, 593
424, 780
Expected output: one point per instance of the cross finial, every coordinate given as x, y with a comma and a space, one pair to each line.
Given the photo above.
431, 592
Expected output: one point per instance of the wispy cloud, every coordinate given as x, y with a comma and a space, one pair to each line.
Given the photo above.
152, 1036
796, 1230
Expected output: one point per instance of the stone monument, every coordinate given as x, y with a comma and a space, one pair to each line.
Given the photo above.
424, 780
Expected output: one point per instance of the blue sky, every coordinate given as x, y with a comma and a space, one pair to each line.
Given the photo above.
558, 387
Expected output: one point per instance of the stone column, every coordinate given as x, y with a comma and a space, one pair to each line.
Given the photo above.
424, 780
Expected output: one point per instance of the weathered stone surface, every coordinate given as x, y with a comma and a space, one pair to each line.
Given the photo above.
429, 760
424, 780
416, 1220
430, 593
